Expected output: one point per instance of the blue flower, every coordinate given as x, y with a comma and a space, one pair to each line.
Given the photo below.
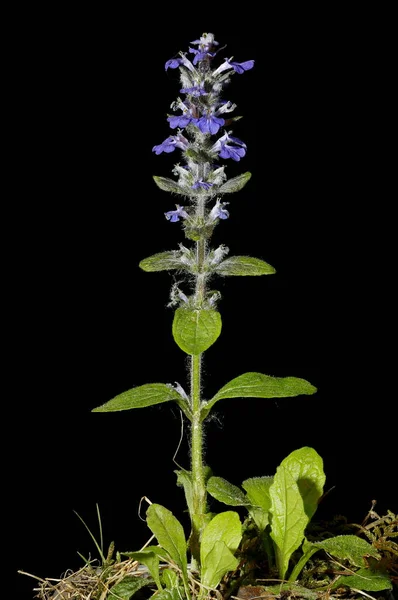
194, 91
179, 121
171, 143
242, 67
237, 67
205, 43
218, 211
200, 55
173, 63
174, 215
226, 150
202, 184
210, 123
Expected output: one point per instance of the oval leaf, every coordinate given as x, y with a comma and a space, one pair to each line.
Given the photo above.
365, 579
244, 265
288, 520
168, 185
348, 547
257, 385
257, 489
150, 560
142, 396
125, 589
235, 184
306, 466
225, 527
163, 261
169, 533
196, 330
226, 492
216, 564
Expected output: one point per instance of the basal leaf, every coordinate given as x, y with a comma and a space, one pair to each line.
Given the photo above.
257, 385
235, 184
217, 562
163, 261
173, 594
169, 578
367, 580
142, 396
169, 533
288, 520
290, 591
125, 589
226, 492
244, 265
257, 489
151, 560
225, 527
306, 467
348, 547
194, 331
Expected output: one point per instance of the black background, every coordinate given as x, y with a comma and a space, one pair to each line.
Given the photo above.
88, 101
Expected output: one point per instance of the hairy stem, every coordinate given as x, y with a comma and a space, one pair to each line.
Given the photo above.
197, 463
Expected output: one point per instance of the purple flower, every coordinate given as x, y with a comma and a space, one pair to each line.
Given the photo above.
173, 63
236, 150
210, 123
179, 121
237, 67
171, 143
202, 184
200, 55
194, 91
205, 43
242, 67
218, 211
174, 215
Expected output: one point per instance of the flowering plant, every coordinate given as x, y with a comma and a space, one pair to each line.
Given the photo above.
267, 535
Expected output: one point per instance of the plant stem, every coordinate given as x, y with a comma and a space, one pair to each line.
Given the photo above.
197, 466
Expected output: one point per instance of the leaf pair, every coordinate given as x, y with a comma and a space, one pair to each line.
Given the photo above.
248, 385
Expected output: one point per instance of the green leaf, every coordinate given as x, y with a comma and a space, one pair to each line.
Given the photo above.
194, 331
220, 538
170, 578
169, 533
296, 591
288, 520
125, 589
306, 467
244, 265
216, 564
257, 385
142, 396
162, 261
226, 527
226, 492
184, 479
169, 185
367, 580
235, 184
347, 547
151, 560
257, 489
173, 594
